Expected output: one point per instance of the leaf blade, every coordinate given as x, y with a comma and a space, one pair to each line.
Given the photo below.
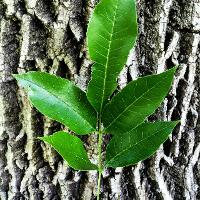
138, 144
109, 42
126, 111
60, 100
71, 149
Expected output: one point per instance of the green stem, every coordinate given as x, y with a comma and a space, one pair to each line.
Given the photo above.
100, 167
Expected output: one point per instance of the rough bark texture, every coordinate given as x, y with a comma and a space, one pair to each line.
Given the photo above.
49, 35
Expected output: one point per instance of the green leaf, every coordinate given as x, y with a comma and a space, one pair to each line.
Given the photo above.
60, 100
71, 149
135, 102
111, 34
138, 144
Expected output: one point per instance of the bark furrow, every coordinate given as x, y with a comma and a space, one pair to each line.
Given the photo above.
41, 35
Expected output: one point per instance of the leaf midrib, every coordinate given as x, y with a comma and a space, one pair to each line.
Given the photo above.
70, 106
132, 146
109, 50
133, 103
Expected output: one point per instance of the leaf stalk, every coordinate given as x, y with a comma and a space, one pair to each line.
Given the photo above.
100, 164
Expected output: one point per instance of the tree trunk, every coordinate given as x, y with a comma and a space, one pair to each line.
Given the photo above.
49, 35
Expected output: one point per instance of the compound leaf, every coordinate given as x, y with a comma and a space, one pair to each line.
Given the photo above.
71, 149
111, 34
60, 100
138, 100
138, 144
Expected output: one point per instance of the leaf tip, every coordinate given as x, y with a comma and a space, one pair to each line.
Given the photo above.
41, 138
176, 67
16, 76
173, 69
177, 122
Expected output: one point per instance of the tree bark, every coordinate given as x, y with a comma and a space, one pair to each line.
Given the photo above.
42, 35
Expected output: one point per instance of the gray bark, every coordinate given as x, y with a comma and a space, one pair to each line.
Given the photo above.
50, 36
